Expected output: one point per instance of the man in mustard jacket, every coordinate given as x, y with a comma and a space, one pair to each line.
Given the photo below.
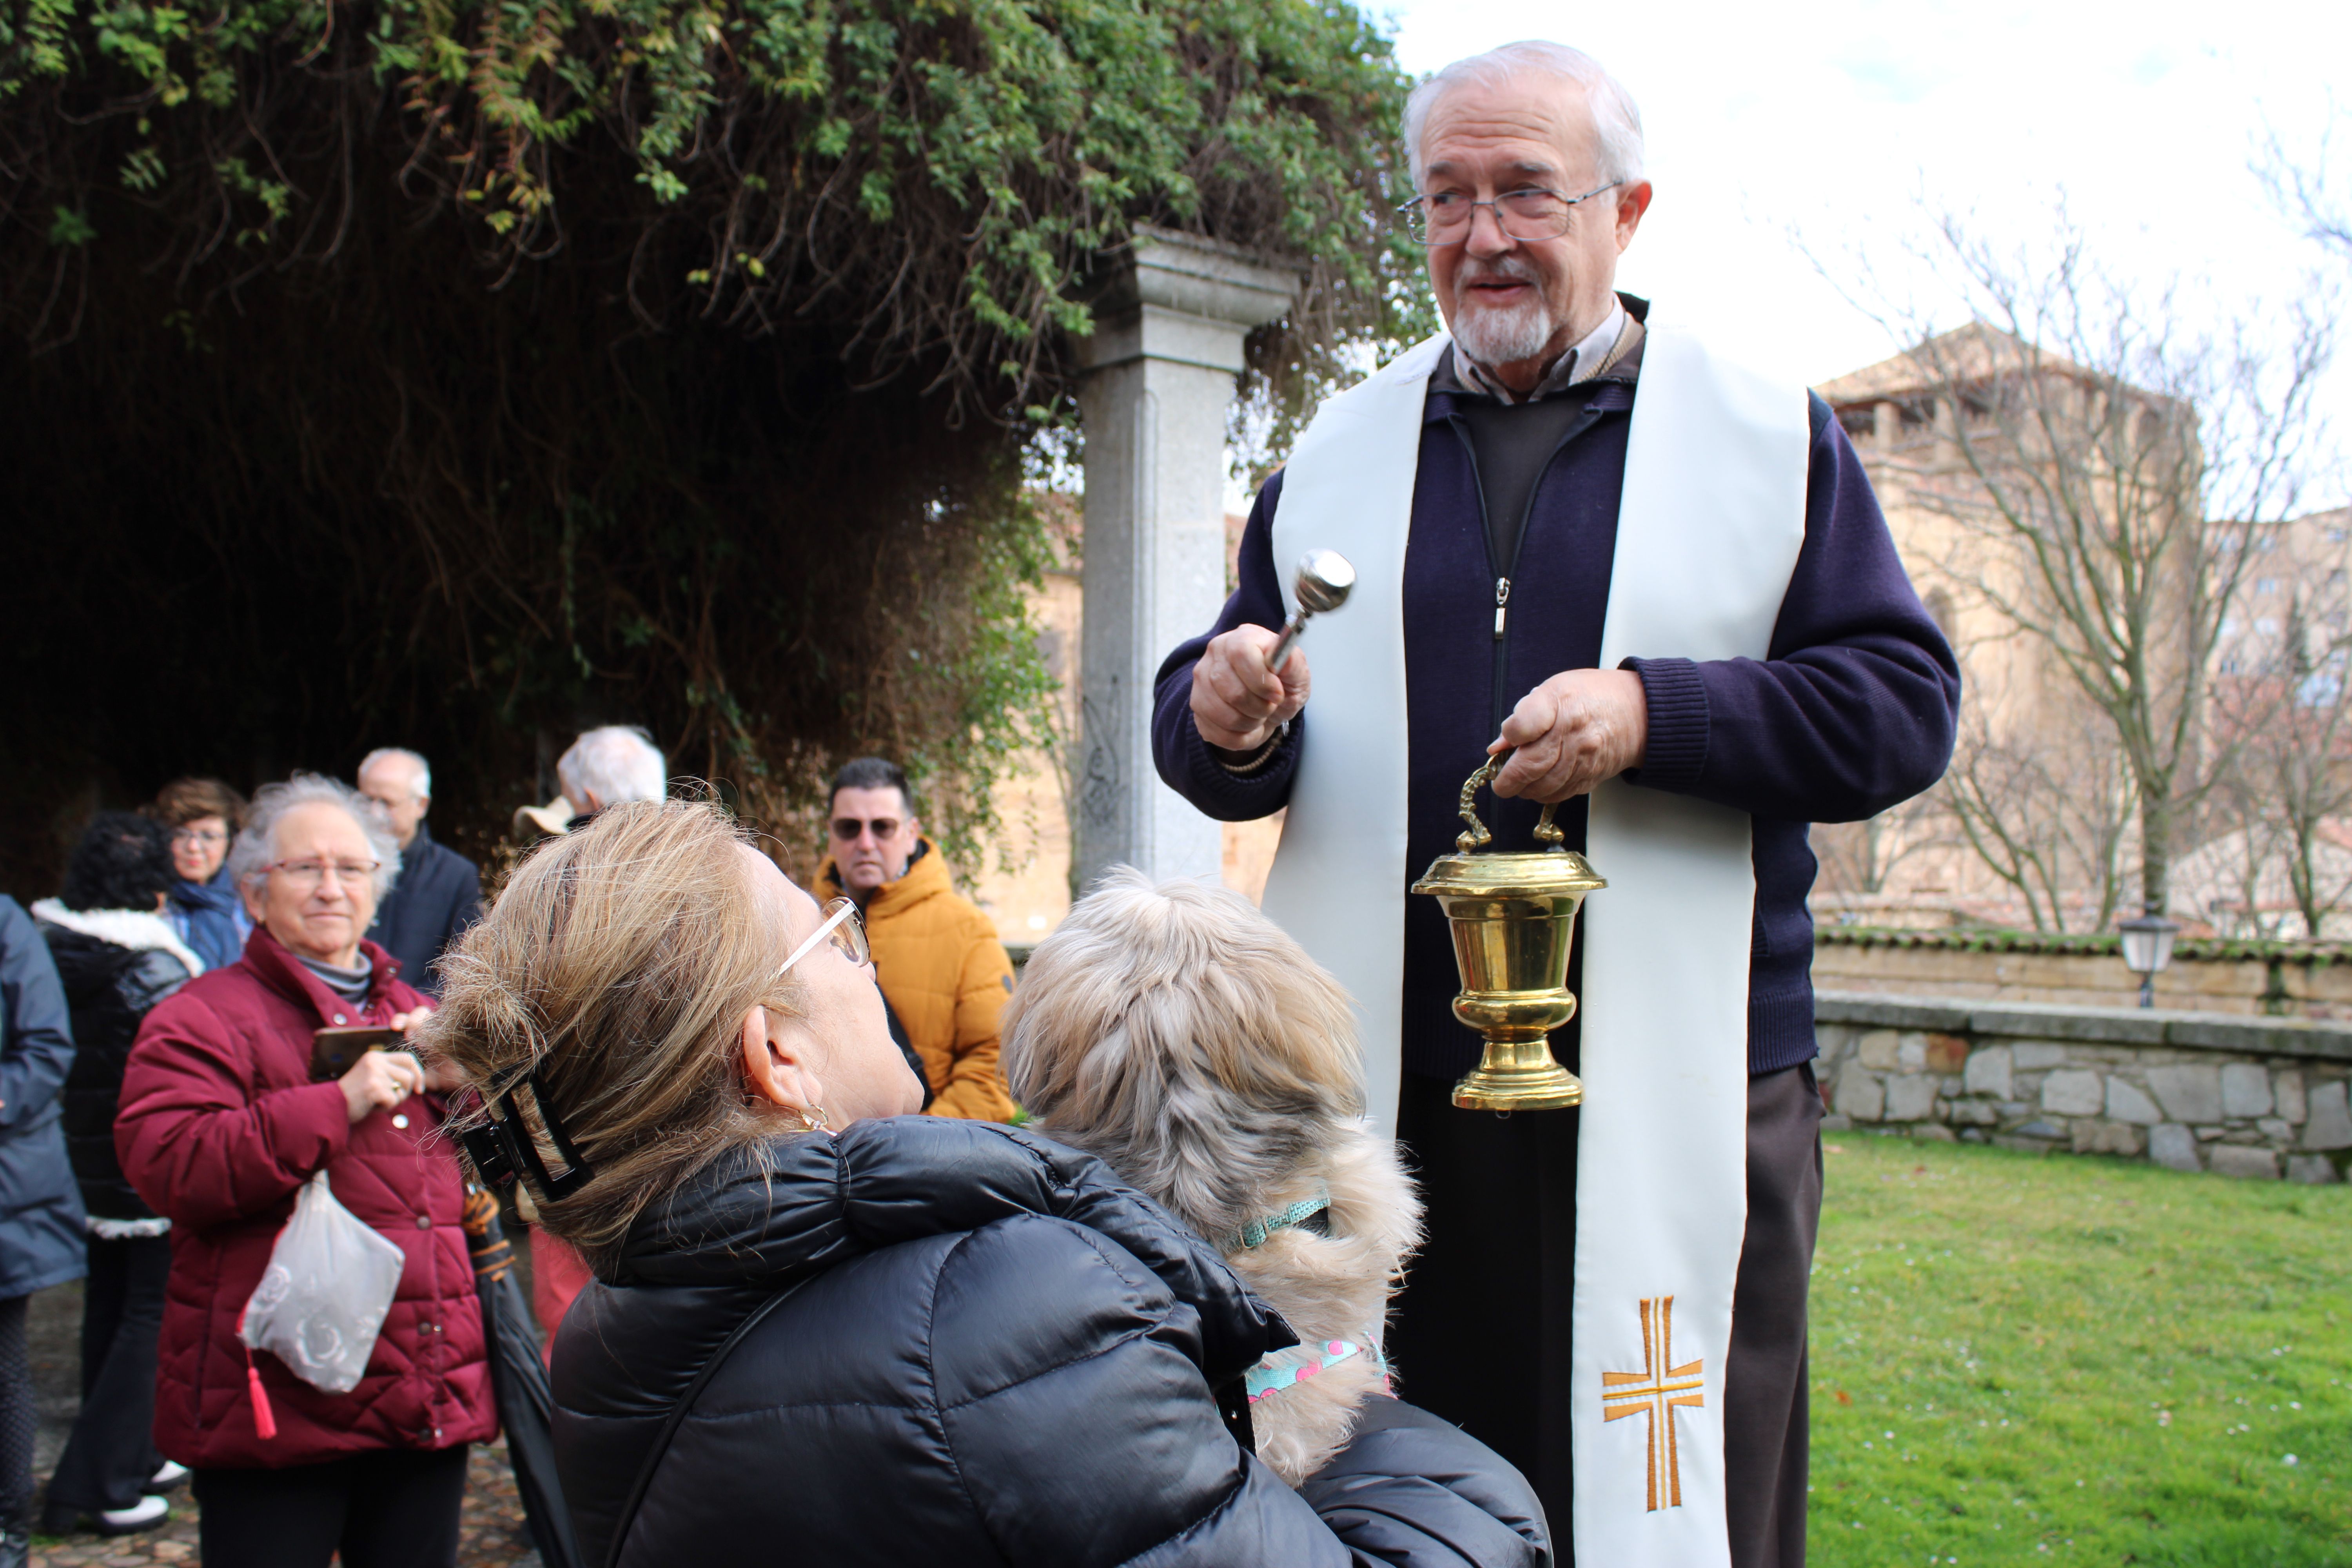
941, 967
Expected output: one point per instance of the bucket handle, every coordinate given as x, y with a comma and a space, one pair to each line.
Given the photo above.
1477, 836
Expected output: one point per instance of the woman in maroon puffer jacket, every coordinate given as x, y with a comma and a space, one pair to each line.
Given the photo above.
219, 1127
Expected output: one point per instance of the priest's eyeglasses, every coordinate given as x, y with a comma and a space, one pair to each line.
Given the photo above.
1443, 218
843, 927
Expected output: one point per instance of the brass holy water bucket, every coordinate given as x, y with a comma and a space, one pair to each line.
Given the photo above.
1514, 921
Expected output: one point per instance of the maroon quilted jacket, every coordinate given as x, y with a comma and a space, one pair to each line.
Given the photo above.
219, 1127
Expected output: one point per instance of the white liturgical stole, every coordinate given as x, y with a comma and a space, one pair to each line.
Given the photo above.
1708, 534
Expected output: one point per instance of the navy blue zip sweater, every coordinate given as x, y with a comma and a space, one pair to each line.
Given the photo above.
1852, 710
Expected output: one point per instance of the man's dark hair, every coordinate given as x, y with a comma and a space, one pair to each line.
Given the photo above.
122, 861
872, 772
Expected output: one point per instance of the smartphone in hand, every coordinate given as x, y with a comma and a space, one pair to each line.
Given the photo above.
332, 1051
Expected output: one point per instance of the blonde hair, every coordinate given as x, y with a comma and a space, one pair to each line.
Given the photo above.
621, 960
1181, 1036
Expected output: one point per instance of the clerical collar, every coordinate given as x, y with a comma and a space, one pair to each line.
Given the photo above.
1581, 363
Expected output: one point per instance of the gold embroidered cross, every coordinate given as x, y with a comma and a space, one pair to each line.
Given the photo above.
1653, 1391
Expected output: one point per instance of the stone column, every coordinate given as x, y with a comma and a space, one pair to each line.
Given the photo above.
1159, 379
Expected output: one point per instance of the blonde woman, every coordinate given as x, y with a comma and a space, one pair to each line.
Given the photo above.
1181, 1036
822, 1329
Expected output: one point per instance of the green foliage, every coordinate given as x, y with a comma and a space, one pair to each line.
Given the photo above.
985, 151
2021, 1359
70, 228
663, 361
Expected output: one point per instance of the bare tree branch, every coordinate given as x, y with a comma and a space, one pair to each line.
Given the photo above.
2106, 452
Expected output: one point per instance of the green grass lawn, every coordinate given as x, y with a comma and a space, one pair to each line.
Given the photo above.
2020, 1359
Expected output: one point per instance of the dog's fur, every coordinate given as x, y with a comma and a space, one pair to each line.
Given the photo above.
1182, 1037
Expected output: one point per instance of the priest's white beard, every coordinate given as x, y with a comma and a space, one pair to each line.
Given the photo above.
1497, 337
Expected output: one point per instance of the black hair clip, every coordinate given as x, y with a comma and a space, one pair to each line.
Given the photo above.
502, 1148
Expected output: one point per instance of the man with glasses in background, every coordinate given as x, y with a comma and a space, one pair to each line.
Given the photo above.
1653, 586
941, 967
439, 892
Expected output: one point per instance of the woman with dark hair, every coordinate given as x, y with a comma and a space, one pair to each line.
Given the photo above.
822, 1330
118, 957
203, 815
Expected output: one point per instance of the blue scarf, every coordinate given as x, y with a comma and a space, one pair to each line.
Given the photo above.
210, 918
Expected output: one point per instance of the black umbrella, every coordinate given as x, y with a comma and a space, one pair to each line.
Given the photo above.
518, 1379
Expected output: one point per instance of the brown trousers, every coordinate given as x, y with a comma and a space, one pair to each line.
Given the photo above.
1480, 1332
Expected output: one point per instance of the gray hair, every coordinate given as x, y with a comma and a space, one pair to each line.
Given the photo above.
1616, 120
401, 754
254, 848
1185, 1039
618, 762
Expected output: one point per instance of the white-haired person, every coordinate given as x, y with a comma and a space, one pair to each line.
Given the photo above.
824, 1330
1652, 585
220, 1124
1181, 1037
439, 892
602, 768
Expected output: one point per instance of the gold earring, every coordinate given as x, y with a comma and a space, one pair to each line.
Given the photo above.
812, 1119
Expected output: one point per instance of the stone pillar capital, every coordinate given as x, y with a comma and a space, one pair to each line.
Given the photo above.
1186, 299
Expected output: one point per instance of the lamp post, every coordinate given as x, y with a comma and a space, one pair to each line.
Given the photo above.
2147, 948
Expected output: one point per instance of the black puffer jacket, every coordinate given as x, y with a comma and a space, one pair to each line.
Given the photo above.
110, 987
999, 1355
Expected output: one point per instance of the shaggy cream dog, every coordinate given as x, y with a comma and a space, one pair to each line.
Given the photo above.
1179, 1035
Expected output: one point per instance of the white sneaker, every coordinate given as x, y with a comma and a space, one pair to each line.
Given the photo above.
145, 1514
170, 1476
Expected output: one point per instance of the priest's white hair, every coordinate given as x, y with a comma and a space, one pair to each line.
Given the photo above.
1616, 120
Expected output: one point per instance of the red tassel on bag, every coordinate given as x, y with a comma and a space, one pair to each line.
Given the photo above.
265, 1420
265, 1423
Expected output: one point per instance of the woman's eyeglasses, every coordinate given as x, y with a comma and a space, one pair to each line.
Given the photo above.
843, 927
304, 875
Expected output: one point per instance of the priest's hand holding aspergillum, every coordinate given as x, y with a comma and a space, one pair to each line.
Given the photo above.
1578, 728
1237, 702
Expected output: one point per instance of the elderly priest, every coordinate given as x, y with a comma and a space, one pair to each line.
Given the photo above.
1581, 532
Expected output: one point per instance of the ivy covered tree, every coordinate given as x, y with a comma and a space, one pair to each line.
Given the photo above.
451, 374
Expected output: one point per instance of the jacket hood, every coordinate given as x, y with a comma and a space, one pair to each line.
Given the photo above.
136, 931
927, 874
767, 1216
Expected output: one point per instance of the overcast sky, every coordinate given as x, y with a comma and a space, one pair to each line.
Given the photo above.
1831, 117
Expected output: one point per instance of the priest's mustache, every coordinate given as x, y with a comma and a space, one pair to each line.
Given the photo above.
1490, 270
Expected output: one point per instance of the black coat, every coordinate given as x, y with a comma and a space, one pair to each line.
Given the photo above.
436, 895
1000, 1355
40, 1209
110, 988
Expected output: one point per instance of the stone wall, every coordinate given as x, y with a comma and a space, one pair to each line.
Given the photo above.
2278, 980
2264, 1098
